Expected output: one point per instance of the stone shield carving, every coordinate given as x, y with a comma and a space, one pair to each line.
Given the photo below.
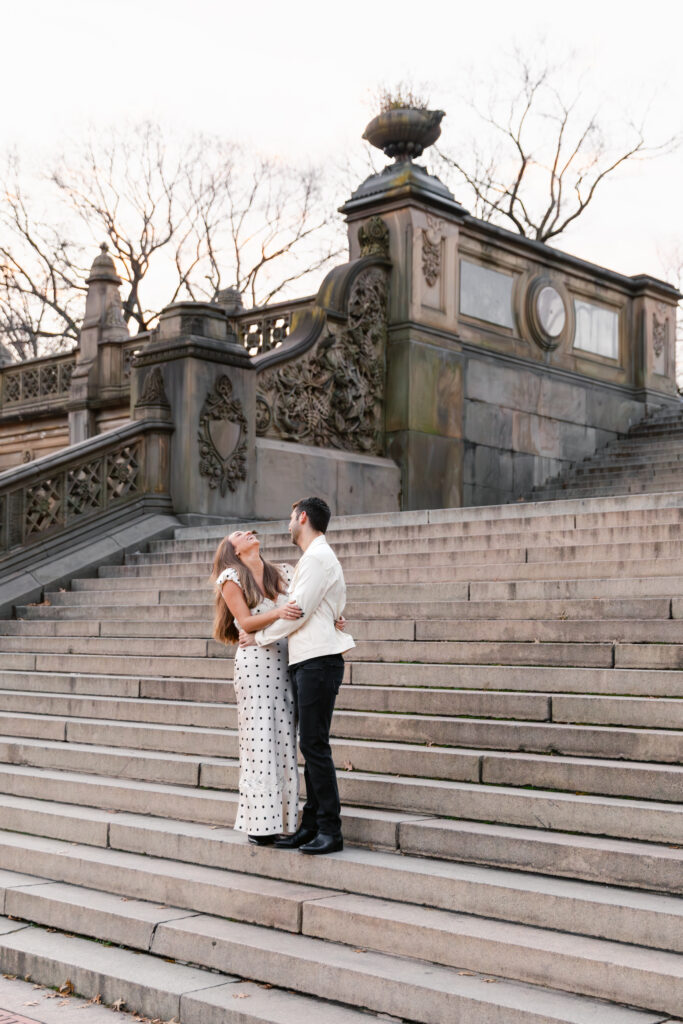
222, 438
332, 397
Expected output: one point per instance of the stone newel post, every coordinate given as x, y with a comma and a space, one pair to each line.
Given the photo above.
424, 377
209, 384
103, 322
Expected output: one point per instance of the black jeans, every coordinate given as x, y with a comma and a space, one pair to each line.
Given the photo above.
316, 685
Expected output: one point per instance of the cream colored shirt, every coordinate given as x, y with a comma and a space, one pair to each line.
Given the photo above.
318, 588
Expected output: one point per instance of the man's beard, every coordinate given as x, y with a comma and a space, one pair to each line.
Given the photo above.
294, 534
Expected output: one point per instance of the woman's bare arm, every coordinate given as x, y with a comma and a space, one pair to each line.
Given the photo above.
234, 598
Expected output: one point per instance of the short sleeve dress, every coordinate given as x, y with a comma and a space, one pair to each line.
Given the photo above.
266, 725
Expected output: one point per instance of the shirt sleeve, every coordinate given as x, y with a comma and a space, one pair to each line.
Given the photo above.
310, 588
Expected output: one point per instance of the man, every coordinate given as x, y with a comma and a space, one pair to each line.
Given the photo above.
315, 659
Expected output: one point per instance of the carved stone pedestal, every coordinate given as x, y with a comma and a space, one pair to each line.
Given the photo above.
206, 378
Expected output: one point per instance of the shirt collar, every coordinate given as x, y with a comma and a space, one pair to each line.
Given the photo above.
318, 542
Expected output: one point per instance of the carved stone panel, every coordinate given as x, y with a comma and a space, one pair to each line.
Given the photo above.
332, 397
373, 238
153, 392
222, 438
432, 237
660, 337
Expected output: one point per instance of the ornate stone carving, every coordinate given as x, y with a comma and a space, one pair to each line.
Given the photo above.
431, 250
222, 452
332, 397
36, 383
263, 333
122, 472
374, 238
660, 329
153, 392
84, 488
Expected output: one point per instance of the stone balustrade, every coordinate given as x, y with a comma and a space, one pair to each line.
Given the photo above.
43, 382
264, 328
68, 489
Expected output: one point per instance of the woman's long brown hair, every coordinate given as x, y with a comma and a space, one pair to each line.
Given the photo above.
224, 627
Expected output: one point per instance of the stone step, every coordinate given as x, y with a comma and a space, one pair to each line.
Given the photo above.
635, 744
475, 555
576, 589
245, 894
607, 861
199, 650
594, 858
124, 664
664, 485
545, 630
101, 754
270, 955
432, 688
369, 628
156, 987
587, 966
626, 511
363, 795
385, 984
594, 609
158, 556
592, 967
616, 574
587, 655
549, 679
396, 700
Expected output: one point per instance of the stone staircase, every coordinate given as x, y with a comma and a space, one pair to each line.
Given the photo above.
509, 745
648, 459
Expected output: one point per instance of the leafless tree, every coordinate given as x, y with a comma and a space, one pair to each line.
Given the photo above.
181, 219
541, 154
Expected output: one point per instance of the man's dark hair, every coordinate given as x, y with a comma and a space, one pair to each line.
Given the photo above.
317, 510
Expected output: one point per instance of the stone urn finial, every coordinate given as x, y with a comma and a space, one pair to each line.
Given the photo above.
404, 132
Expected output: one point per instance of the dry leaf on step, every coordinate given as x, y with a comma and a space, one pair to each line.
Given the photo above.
347, 766
118, 1005
240, 995
67, 989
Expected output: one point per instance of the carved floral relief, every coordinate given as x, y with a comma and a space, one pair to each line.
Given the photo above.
432, 237
373, 238
660, 329
333, 396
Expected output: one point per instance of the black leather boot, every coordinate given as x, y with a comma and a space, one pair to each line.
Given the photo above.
302, 835
323, 843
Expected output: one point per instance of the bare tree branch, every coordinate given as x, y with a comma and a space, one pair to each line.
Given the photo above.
180, 219
546, 154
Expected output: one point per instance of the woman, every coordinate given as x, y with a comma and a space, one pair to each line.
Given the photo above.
252, 594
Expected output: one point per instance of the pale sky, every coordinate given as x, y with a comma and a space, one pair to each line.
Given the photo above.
296, 78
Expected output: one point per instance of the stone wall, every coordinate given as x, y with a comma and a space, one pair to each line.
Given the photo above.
24, 441
522, 426
507, 359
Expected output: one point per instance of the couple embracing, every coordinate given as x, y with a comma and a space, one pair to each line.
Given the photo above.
288, 668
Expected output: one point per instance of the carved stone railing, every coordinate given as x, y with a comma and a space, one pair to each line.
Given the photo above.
324, 385
85, 482
43, 382
266, 328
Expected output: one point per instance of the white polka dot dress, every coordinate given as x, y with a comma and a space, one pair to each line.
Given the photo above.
266, 724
